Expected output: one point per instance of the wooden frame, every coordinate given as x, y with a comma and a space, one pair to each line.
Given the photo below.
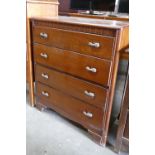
122, 137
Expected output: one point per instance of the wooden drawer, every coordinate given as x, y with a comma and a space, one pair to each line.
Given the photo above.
80, 89
83, 112
89, 68
90, 44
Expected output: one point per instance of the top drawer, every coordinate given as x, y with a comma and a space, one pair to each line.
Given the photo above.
84, 43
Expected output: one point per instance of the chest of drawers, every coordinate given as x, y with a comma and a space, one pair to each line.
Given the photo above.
75, 67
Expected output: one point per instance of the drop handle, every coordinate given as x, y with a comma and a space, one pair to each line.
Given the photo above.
44, 76
43, 35
88, 114
45, 93
90, 94
94, 44
91, 69
44, 55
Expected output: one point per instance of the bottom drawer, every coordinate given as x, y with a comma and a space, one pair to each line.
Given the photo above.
89, 116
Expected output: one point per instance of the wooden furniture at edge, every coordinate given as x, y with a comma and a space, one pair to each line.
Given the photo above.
64, 9
75, 65
122, 137
107, 17
36, 8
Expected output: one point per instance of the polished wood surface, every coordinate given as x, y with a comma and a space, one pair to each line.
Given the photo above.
73, 86
36, 8
74, 63
124, 54
84, 22
70, 41
82, 70
75, 108
64, 10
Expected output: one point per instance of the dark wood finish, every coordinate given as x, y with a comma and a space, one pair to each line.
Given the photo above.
70, 41
66, 68
71, 13
36, 8
122, 137
71, 85
73, 107
74, 63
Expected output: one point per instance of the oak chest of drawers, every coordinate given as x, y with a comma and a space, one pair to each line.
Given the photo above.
75, 68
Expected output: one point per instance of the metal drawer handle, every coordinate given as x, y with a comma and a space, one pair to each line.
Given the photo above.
44, 76
43, 35
90, 94
88, 114
94, 70
44, 55
45, 94
94, 44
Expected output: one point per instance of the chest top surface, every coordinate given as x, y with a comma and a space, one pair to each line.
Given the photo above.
86, 21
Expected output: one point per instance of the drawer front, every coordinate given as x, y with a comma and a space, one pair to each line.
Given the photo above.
83, 66
89, 44
81, 89
84, 112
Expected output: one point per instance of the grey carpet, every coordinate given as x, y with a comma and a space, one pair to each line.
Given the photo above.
48, 133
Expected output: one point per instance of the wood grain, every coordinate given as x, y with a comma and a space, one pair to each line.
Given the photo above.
73, 63
67, 62
72, 86
75, 41
71, 106
36, 8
